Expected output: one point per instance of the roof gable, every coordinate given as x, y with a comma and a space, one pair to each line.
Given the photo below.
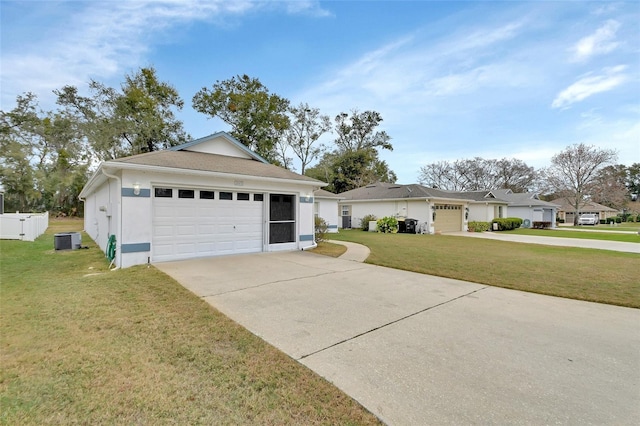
220, 143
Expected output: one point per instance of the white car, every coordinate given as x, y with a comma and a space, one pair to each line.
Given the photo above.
588, 219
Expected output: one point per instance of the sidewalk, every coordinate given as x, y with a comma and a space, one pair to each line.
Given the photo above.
355, 252
555, 241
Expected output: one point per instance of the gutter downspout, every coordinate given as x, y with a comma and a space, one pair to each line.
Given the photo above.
119, 222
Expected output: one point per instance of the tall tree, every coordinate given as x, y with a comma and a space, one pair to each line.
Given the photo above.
257, 118
358, 131
307, 126
609, 186
42, 162
137, 118
356, 162
478, 174
515, 175
574, 171
633, 179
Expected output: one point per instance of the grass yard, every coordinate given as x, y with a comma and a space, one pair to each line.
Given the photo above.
576, 273
581, 234
328, 249
83, 345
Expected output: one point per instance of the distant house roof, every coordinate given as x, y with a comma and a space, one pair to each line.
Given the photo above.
321, 193
565, 206
391, 191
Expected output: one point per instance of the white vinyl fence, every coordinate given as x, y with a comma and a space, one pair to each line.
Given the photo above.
23, 226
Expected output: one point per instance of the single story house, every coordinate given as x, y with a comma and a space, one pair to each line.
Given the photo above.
567, 212
441, 211
484, 206
528, 206
435, 210
208, 197
326, 207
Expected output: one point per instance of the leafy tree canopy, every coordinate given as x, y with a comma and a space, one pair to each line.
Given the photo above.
257, 118
137, 118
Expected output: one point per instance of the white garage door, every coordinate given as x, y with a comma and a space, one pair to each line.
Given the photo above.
448, 218
191, 223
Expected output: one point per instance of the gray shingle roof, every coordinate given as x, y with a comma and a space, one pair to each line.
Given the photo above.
565, 205
383, 190
321, 193
189, 160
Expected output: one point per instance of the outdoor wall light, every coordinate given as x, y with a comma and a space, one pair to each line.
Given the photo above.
136, 188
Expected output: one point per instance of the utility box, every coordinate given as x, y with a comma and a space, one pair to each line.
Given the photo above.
67, 241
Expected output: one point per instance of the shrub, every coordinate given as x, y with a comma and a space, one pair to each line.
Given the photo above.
618, 219
321, 229
603, 221
507, 223
387, 225
364, 223
479, 226
560, 220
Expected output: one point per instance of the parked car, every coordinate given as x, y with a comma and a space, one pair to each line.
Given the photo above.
588, 219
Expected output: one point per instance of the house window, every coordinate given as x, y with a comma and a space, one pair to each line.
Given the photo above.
258, 197
242, 196
346, 211
207, 195
226, 195
186, 193
282, 214
163, 192
500, 212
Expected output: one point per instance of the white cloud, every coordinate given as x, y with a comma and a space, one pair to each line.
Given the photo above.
105, 39
590, 85
600, 42
307, 7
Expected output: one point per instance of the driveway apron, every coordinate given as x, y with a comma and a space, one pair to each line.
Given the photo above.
419, 349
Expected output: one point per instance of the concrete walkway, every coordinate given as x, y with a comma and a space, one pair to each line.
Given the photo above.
416, 349
355, 252
555, 241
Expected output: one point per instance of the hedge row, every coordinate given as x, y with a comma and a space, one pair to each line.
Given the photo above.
475, 226
507, 223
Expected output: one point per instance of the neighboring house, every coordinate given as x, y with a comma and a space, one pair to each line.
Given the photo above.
484, 206
567, 212
326, 207
435, 210
208, 197
528, 206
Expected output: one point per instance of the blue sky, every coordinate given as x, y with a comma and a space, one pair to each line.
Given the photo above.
452, 80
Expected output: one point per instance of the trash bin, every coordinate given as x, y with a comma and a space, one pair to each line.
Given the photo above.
402, 227
410, 225
67, 241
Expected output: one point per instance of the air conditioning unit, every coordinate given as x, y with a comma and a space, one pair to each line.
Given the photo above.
67, 241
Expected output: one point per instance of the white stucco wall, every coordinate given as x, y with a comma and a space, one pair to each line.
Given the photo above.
101, 212
486, 212
137, 211
327, 209
414, 209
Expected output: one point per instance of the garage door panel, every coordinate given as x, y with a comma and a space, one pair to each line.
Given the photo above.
184, 227
448, 218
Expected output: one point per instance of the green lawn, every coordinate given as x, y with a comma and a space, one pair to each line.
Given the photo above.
588, 235
83, 345
584, 274
625, 226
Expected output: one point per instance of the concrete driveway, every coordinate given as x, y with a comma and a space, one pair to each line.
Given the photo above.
417, 349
